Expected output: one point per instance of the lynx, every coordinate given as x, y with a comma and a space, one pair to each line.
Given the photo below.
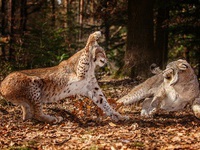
170, 90
75, 76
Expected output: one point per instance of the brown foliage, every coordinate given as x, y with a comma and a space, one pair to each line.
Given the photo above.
81, 128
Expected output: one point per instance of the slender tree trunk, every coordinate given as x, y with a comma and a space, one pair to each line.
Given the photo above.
3, 11
140, 53
107, 33
11, 29
23, 16
81, 6
53, 18
199, 68
92, 12
161, 39
65, 4
106, 24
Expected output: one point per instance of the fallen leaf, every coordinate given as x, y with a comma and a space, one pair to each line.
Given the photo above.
112, 124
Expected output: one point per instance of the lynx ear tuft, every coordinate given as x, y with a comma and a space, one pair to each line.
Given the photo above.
155, 69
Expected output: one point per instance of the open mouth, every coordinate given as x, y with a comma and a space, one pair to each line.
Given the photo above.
168, 73
102, 61
183, 66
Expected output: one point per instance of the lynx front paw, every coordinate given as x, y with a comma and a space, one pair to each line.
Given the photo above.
144, 113
117, 117
97, 35
57, 120
48, 118
147, 114
196, 110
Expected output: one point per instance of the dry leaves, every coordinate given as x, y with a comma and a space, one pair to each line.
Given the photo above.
82, 128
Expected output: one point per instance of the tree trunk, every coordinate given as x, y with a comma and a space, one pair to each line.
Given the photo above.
65, 4
92, 8
81, 6
198, 75
140, 51
106, 24
3, 26
12, 5
53, 18
161, 39
23, 16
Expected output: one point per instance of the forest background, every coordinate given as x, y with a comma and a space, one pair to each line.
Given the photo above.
136, 33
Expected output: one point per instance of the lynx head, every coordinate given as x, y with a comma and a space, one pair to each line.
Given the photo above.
179, 70
99, 56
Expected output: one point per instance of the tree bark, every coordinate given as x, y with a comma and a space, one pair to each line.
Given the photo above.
106, 24
140, 53
11, 29
3, 26
65, 4
53, 18
23, 16
81, 6
161, 39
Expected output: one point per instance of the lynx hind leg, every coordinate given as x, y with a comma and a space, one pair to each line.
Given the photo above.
27, 111
145, 107
135, 95
150, 107
196, 107
39, 115
36, 102
155, 104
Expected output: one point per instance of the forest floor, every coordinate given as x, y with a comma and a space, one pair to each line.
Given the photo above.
84, 128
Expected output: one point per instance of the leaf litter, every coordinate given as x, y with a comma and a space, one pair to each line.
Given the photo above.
88, 128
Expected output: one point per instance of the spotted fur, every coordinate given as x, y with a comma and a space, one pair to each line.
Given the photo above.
170, 90
32, 88
83, 64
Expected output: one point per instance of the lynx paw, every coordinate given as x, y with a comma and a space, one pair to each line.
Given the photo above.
57, 120
117, 117
97, 35
147, 114
196, 110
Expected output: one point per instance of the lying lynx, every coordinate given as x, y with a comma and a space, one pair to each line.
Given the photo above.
170, 90
32, 88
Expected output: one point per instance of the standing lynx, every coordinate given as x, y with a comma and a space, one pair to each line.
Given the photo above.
32, 88
170, 90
